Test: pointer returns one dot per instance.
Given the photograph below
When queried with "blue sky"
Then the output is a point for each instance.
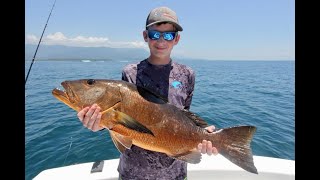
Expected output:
(212, 29)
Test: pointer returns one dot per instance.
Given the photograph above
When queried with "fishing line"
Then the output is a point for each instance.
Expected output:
(39, 43)
(68, 152)
(69, 149)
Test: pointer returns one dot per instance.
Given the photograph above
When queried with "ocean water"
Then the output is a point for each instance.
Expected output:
(227, 93)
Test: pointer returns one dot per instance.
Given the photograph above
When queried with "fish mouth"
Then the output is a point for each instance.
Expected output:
(66, 95)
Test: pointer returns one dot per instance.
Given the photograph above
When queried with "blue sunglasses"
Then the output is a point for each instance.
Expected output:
(155, 35)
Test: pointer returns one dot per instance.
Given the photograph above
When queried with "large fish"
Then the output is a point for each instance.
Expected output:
(135, 115)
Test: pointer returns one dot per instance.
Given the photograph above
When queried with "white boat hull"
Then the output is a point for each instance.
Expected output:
(210, 167)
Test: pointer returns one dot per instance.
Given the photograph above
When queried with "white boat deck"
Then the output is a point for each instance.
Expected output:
(210, 167)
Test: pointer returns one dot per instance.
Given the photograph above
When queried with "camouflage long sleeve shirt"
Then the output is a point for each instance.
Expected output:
(174, 82)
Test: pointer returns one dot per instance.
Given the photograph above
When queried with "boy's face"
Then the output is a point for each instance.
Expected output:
(161, 48)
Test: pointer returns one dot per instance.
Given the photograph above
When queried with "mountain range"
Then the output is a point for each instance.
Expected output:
(59, 52)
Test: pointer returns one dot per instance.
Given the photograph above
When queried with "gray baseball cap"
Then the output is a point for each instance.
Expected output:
(163, 14)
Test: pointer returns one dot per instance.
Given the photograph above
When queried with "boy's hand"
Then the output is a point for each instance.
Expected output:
(90, 117)
(206, 146)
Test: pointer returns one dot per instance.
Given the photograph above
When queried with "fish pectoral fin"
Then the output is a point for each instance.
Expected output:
(131, 123)
(193, 156)
(121, 142)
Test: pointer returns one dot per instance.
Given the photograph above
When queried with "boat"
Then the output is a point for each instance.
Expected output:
(86, 60)
(211, 167)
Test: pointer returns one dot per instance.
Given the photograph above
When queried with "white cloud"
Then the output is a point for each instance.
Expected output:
(59, 38)
(31, 39)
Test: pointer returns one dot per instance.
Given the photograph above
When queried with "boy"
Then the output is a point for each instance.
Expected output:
(166, 78)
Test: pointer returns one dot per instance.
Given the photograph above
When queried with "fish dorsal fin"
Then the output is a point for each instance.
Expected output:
(196, 119)
(150, 96)
(122, 143)
(131, 123)
(193, 156)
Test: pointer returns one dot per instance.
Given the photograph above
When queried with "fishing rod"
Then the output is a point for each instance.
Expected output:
(39, 43)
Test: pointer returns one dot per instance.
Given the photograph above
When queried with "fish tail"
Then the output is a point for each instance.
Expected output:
(234, 144)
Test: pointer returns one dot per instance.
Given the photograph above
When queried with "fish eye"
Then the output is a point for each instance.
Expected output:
(91, 81)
